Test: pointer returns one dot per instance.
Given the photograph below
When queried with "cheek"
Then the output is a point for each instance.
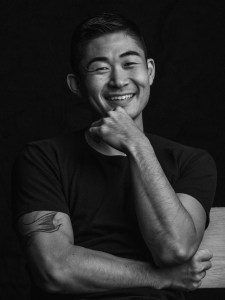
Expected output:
(141, 78)
(94, 85)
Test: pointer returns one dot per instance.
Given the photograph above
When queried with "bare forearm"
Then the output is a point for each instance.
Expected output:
(88, 271)
(163, 220)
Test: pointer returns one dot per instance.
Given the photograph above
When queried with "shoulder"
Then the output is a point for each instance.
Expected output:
(50, 157)
(164, 146)
(41, 174)
(54, 149)
(161, 144)
(64, 142)
(184, 157)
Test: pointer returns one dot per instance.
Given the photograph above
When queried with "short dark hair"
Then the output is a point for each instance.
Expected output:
(97, 26)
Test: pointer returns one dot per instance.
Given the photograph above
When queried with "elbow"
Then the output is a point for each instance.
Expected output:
(182, 255)
(175, 256)
(49, 279)
(58, 280)
(53, 282)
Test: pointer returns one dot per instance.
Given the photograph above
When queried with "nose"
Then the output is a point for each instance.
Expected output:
(118, 78)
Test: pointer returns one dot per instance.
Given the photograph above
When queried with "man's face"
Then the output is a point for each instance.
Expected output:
(115, 73)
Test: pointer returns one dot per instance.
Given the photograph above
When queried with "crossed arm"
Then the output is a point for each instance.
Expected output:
(171, 224)
(59, 266)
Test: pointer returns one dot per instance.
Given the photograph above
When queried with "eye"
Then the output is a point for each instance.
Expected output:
(101, 69)
(98, 68)
(130, 64)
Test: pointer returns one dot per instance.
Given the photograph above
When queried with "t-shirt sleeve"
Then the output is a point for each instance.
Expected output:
(36, 182)
(198, 178)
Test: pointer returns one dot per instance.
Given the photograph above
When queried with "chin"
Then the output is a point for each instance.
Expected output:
(133, 113)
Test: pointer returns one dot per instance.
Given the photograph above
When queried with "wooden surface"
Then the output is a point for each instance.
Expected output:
(214, 240)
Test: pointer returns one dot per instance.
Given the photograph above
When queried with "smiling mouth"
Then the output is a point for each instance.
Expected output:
(120, 97)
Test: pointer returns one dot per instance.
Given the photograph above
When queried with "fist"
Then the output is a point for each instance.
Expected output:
(189, 276)
(117, 129)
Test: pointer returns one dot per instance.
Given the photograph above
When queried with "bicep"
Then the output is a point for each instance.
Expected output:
(45, 236)
(196, 212)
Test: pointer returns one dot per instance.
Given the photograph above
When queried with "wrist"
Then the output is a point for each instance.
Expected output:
(165, 280)
(136, 145)
(154, 277)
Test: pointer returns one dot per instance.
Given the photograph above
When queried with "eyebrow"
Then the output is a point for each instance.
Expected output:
(105, 59)
(129, 53)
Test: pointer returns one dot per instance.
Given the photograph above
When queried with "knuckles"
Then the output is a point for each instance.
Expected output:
(193, 286)
(103, 130)
(111, 113)
(196, 285)
(198, 277)
(116, 111)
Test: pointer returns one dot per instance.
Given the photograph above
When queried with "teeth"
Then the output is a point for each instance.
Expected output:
(120, 98)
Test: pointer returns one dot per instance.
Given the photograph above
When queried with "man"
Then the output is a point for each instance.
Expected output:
(111, 212)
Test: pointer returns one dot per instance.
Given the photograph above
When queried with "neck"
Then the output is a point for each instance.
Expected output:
(139, 122)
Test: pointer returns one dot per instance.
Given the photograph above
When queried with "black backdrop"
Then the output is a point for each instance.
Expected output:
(184, 37)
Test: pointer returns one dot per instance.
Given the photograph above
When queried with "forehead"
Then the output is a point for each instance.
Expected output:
(112, 45)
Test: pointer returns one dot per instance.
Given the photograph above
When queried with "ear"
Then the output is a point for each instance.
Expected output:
(151, 70)
(73, 84)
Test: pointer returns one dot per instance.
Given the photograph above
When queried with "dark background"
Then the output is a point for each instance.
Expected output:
(184, 37)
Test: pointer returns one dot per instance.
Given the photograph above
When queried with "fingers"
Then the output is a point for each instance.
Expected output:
(196, 282)
(118, 108)
(99, 129)
(191, 274)
(94, 132)
(192, 286)
(204, 255)
(197, 285)
(113, 114)
(199, 266)
(207, 265)
(202, 261)
(199, 276)
(96, 123)
(199, 272)
(202, 274)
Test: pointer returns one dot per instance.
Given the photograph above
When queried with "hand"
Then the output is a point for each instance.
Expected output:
(189, 275)
(118, 130)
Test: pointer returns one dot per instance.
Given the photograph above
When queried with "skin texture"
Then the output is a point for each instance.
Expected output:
(115, 79)
(59, 266)
(114, 65)
(171, 224)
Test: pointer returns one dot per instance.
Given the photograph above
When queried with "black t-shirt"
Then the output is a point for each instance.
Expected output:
(65, 174)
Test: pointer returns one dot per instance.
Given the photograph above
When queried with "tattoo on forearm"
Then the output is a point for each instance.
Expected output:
(44, 223)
